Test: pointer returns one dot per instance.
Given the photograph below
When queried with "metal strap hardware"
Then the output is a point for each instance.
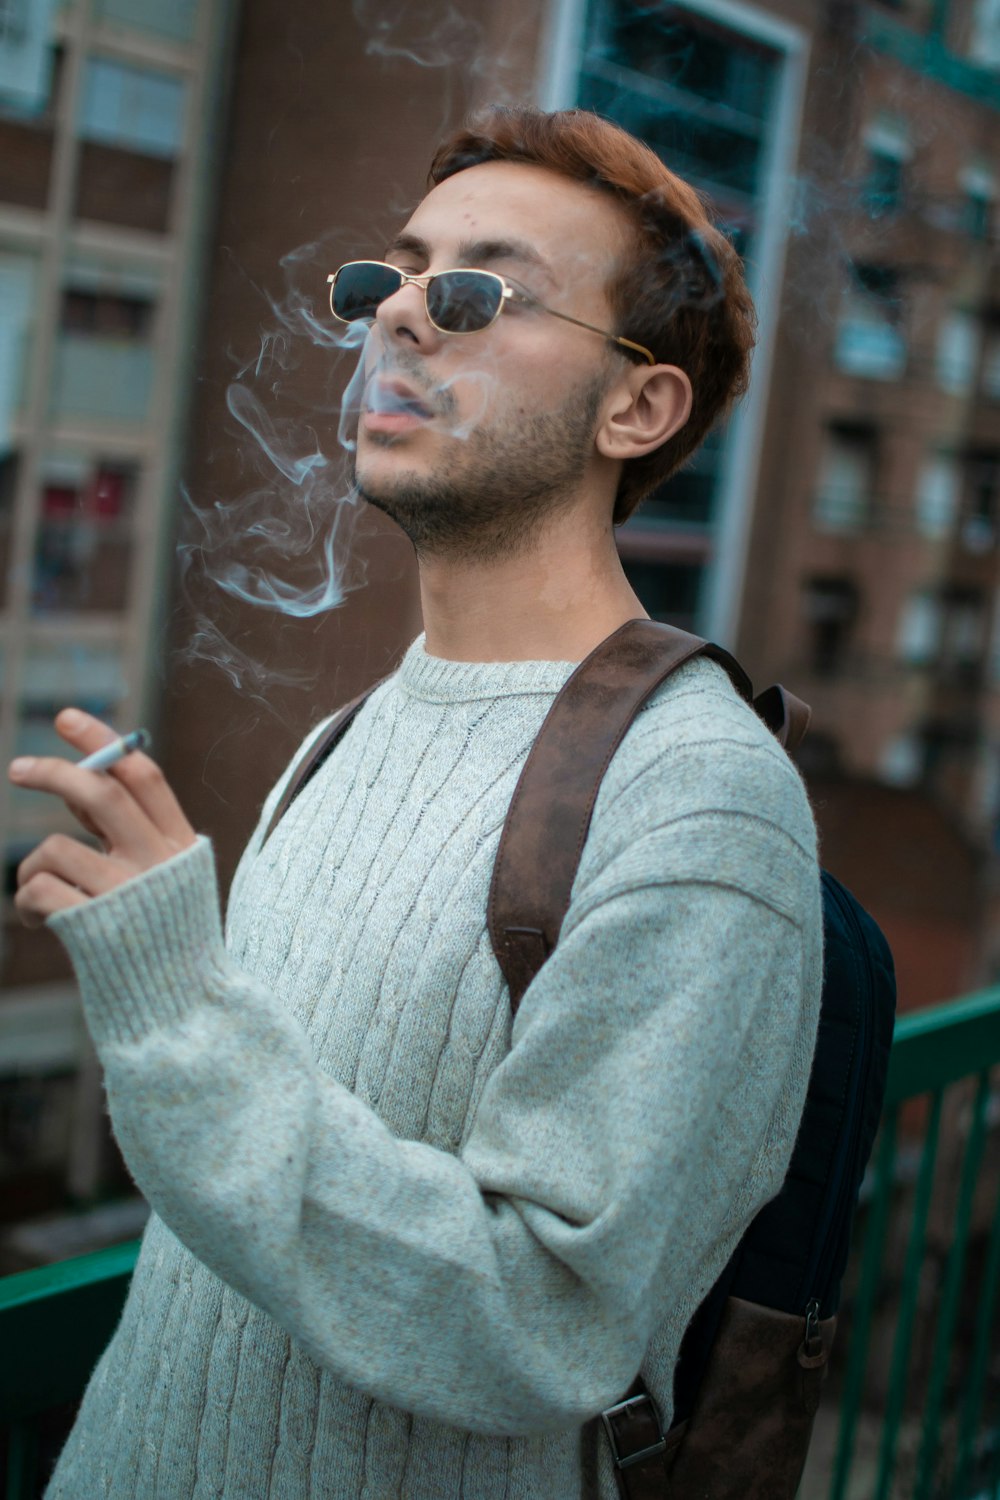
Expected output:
(630, 1410)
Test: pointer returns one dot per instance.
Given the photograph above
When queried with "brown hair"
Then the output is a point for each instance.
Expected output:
(681, 292)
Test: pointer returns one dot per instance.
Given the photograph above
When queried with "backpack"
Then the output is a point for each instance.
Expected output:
(752, 1361)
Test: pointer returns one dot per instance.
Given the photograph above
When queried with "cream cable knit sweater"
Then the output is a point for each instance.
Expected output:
(397, 1249)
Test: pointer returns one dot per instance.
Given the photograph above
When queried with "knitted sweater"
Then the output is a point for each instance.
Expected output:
(400, 1248)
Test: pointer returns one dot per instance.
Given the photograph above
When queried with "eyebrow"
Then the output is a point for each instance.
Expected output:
(476, 253)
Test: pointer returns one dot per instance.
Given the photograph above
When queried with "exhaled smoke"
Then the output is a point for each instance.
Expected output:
(419, 31)
(282, 541)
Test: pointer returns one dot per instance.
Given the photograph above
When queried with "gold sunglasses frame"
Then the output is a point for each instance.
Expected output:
(508, 293)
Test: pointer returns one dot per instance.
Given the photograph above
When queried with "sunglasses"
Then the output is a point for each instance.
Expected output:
(457, 301)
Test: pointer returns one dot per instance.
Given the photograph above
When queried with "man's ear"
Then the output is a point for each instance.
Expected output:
(643, 410)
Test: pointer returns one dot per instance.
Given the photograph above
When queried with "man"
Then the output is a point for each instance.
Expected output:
(398, 1247)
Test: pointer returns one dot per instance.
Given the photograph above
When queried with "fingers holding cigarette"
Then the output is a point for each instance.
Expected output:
(109, 755)
(123, 758)
(128, 806)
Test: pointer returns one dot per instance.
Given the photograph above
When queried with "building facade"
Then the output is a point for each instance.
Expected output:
(107, 114)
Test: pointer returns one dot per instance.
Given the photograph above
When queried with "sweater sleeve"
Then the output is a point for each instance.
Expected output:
(647, 1106)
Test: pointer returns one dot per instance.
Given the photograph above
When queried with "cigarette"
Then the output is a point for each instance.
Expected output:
(109, 755)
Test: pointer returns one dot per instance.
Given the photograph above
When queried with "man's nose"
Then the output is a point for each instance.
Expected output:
(403, 316)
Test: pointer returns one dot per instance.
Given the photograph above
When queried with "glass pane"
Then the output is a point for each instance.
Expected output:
(667, 591)
(25, 56)
(17, 299)
(687, 498)
(668, 44)
(88, 674)
(8, 489)
(699, 149)
(135, 107)
(176, 20)
(84, 541)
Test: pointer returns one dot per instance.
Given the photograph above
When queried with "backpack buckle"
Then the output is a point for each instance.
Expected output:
(634, 1420)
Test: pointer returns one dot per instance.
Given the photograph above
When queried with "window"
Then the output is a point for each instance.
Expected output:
(831, 611)
(944, 628)
(938, 489)
(17, 297)
(921, 626)
(977, 216)
(686, 498)
(25, 54)
(902, 760)
(991, 368)
(978, 186)
(846, 480)
(13, 21)
(705, 93)
(700, 93)
(90, 674)
(888, 145)
(982, 494)
(104, 359)
(994, 644)
(104, 315)
(132, 107)
(959, 339)
(177, 20)
(668, 591)
(870, 340)
(963, 645)
(8, 490)
(83, 546)
(984, 44)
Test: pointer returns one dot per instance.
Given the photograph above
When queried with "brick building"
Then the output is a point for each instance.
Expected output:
(172, 204)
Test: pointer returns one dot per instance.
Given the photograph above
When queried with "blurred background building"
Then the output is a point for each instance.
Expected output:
(108, 112)
(175, 183)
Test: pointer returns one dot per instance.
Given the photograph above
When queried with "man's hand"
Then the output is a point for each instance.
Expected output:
(130, 808)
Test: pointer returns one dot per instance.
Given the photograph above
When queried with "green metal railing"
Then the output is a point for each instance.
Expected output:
(934, 1051)
(55, 1321)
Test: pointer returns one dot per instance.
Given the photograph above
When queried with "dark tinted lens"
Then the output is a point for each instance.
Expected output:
(464, 301)
(360, 288)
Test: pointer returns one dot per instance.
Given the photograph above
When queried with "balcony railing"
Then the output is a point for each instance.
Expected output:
(912, 1409)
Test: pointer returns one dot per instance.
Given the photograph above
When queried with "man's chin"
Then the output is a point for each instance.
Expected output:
(388, 493)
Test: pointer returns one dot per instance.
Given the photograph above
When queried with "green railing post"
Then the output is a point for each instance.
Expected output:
(952, 1286)
(867, 1288)
(908, 1306)
(980, 1359)
(22, 1460)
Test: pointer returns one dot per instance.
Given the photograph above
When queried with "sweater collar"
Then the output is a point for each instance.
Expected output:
(441, 681)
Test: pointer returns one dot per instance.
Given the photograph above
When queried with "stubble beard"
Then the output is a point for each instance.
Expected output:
(504, 482)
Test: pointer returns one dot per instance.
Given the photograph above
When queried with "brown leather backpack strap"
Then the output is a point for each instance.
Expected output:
(314, 757)
(553, 801)
(638, 1446)
(784, 714)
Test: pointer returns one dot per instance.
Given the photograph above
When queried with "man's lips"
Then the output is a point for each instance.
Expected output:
(394, 406)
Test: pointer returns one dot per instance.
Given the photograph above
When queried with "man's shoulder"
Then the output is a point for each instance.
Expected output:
(702, 777)
(696, 718)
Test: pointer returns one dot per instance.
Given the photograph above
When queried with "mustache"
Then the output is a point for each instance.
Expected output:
(439, 399)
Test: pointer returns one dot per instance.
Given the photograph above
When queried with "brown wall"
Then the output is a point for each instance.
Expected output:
(25, 163)
(121, 187)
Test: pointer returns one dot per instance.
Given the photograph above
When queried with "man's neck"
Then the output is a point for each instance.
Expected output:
(553, 602)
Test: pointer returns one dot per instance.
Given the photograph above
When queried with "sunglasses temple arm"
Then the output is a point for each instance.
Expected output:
(628, 344)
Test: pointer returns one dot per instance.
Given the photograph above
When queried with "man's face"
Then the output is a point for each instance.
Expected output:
(505, 433)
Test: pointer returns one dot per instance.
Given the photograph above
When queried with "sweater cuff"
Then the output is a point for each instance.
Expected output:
(146, 952)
